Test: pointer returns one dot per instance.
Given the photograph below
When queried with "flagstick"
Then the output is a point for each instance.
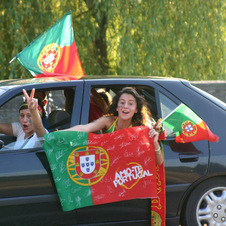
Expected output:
(157, 124)
(8, 63)
(14, 58)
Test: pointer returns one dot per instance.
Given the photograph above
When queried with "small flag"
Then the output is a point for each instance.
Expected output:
(53, 53)
(92, 169)
(188, 126)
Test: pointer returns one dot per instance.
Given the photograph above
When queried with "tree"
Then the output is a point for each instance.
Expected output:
(124, 37)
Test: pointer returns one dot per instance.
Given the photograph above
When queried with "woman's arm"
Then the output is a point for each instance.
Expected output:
(158, 153)
(36, 118)
(99, 124)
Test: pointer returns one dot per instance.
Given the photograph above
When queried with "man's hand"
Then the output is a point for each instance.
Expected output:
(31, 101)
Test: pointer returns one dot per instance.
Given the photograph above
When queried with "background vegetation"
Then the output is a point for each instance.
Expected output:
(170, 38)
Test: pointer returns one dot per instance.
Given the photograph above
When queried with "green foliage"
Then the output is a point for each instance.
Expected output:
(170, 38)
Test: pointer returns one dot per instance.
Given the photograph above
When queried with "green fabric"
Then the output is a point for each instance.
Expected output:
(182, 114)
(66, 143)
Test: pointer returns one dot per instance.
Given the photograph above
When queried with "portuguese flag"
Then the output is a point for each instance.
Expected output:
(92, 169)
(54, 53)
(188, 126)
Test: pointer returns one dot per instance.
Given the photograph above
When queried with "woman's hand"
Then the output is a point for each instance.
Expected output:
(154, 132)
(158, 153)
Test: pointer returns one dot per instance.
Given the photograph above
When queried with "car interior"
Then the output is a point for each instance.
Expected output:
(58, 106)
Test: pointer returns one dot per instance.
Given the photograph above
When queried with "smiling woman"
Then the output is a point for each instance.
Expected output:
(128, 109)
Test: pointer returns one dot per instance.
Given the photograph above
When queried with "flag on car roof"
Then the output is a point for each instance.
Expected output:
(54, 53)
(92, 169)
(188, 126)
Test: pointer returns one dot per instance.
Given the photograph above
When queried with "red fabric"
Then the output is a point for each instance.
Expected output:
(69, 66)
(198, 132)
(162, 136)
(159, 203)
(131, 173)
(94, 112)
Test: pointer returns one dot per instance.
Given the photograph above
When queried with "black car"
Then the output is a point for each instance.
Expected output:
(195, 172)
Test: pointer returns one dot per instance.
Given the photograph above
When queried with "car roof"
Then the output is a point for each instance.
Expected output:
(30, 81)
(169, 83)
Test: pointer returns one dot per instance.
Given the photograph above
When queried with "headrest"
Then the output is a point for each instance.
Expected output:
(59, 119)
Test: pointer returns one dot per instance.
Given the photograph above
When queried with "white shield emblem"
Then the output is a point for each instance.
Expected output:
(87, 164)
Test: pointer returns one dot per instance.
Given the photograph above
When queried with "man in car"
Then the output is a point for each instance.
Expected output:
(30, 128)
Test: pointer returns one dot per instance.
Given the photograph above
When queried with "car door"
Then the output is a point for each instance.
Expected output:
(27, 193)
(184, 163)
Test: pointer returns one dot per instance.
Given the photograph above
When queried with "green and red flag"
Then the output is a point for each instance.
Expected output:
(188, 126)
(158, 205)
(92, 169)
(53, 53)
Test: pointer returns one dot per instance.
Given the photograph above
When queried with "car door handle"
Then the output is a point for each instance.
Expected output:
(188, 158)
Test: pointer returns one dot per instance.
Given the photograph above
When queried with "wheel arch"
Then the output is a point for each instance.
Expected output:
(193, 186)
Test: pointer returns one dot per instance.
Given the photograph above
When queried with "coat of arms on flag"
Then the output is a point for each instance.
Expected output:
(49, 57)
(189, 128)
(87, 163)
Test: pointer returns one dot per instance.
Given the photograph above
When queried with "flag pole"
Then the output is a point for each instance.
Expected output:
(161, 121)
(14, 58)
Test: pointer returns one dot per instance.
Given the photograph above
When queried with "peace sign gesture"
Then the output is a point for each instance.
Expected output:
(36, 117)
(31, 101)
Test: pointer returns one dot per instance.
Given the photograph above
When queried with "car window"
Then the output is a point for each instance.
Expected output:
(149, 94)
(56, 116)
(100, 101)
(9, 111)
(107, 94)
(60, 107)
(166, 105)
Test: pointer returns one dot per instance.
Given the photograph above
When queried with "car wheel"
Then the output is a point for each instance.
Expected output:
(206, 206)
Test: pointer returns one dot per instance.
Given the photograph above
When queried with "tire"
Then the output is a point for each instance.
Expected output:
(206, 205)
